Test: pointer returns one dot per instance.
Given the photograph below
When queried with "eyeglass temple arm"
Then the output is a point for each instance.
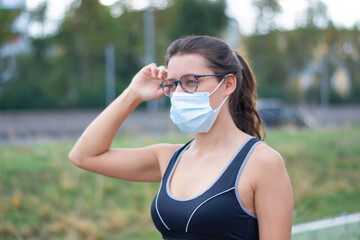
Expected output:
(211, 75)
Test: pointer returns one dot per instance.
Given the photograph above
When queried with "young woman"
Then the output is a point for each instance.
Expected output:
(224, 184)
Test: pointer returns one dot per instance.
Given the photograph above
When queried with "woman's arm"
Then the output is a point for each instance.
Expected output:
(92, 151)
(273, 195)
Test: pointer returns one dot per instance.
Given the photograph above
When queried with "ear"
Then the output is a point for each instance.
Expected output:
(229, 84)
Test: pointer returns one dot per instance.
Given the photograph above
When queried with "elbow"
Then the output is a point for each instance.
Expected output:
(75, 158)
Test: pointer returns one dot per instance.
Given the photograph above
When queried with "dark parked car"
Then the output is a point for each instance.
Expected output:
(275, 113)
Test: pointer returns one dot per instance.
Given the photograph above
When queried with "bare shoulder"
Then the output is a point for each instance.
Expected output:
(164, 151)
(268, 163)
(272, 193)
(266, 156)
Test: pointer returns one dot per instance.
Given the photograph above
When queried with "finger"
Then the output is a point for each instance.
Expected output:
(160, 92)
(153, 69)
(162, 72)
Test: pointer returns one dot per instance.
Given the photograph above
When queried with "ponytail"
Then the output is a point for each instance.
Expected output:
(242, 102)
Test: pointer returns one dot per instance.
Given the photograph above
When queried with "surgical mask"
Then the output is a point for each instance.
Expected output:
(191, 112)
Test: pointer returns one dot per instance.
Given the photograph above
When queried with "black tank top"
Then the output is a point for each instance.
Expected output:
(216, 213)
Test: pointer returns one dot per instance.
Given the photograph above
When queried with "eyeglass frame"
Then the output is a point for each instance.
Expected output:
(176, 82)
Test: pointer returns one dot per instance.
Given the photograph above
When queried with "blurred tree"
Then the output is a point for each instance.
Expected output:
(187, 17)
(279, 58)
(66, 69)
(7, 18)
(265, 17)
(38, 16)
(83, 36)
(316, 14)
(200, 17)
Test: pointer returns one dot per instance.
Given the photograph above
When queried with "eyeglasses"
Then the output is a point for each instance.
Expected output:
(189, 83)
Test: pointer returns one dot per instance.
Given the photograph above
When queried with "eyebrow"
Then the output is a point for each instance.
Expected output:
(195, 74)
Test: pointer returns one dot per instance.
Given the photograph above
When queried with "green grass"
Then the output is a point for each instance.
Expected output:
(43, 196)
(324, 167)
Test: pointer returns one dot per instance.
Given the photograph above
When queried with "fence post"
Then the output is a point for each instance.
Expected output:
(110, 73)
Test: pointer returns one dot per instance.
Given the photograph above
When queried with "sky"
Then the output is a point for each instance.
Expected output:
(344, 13)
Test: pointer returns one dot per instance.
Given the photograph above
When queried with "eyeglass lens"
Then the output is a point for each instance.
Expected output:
(187, 82)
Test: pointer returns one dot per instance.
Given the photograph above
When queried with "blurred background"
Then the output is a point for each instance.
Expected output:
(62, 62)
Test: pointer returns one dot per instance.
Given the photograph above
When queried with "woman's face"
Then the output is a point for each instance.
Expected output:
(196, 64)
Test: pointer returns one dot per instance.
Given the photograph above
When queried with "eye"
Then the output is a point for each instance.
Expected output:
(189, 81)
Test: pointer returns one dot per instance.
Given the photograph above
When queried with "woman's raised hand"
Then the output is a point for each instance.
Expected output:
(146, 83)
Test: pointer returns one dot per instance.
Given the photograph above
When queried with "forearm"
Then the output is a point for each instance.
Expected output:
(99, 135)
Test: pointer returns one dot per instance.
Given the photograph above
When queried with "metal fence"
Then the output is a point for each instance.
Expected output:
(345, 227)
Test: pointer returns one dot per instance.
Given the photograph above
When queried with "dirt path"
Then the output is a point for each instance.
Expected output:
(58, 124)
(22, 125)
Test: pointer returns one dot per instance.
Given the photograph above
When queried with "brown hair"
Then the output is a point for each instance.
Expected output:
(222, 59)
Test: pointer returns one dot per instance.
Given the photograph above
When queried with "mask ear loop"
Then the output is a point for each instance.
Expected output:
(217, 109)
(221, 104)
(219, 84)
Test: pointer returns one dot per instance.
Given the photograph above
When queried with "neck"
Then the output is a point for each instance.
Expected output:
(223, 133)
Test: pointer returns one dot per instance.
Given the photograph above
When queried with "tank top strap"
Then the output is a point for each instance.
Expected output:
(230, 175)
(173, 159)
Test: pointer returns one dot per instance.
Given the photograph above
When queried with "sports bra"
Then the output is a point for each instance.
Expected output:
(216, 213)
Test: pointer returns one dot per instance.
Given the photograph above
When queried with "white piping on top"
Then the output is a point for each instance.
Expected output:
(157, 209)
(187, 225)
(223, 171)
(238, 176)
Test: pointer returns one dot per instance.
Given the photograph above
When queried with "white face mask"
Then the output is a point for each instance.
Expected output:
(192, 112)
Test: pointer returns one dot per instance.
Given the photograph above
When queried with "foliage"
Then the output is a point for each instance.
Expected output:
(199, 17)
(266, 12)
(279, 58)
(67, 69)
(7, 18)
(43, 196)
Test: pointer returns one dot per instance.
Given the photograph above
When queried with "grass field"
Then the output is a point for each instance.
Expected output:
(43, 196)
